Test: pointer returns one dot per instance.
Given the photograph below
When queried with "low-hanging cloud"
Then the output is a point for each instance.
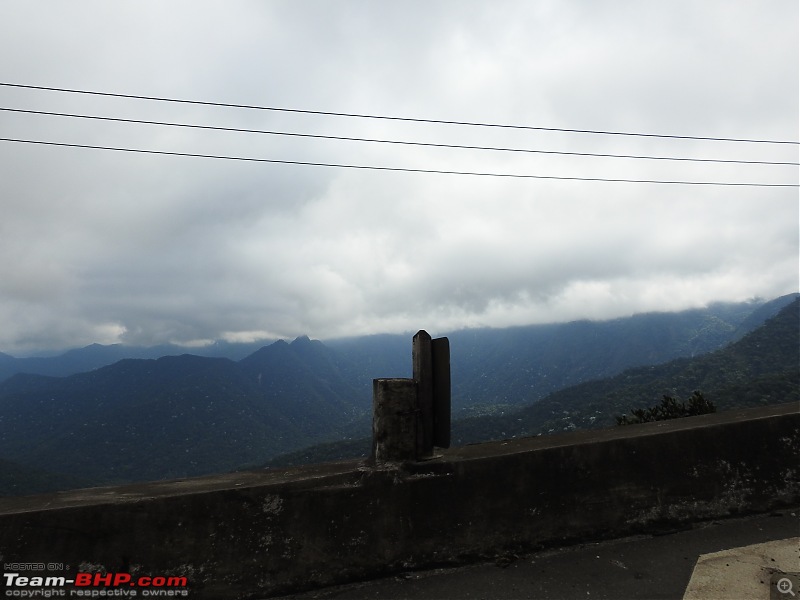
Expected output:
(103, 246)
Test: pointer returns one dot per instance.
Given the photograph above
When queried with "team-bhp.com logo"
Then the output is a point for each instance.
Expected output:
(93, 585)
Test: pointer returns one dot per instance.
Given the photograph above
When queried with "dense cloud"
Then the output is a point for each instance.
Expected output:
(110, 246)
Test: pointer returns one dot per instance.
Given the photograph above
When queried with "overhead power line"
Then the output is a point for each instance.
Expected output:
(394, 118)
(385, 141)
(395, 169)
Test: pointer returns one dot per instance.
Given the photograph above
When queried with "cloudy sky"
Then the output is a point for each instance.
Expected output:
(110, 246)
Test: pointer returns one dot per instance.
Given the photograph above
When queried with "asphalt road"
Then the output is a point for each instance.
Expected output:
(647, 567)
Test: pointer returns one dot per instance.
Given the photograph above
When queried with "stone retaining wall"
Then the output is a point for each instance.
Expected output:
(251, 535)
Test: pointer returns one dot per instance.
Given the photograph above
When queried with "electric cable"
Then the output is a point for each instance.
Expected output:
(392, 118)
(395, 169)
(397, 142)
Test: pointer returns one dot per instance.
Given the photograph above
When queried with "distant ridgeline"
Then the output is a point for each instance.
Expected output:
(187, 415)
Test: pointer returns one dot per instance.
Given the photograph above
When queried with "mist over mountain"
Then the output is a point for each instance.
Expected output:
(763, 367)
(519, 365)
(186, 415)
(644, 338)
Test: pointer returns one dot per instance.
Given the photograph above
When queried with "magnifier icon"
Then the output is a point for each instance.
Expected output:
(784, 586)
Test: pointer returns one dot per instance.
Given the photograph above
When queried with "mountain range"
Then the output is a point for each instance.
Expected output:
(177, 416)
(94, 356)
(761, 367)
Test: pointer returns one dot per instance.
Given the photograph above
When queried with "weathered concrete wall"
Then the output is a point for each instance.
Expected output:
(250, 535)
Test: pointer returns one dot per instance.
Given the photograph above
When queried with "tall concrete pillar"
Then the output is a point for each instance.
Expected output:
(423, 375)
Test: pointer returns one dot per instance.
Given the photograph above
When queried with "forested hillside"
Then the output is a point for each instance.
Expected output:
(177, 416)
(761, 368)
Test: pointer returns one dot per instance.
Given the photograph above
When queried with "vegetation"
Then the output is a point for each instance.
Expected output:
(670, 408)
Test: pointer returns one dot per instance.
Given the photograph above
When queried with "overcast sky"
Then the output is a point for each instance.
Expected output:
(103, 246)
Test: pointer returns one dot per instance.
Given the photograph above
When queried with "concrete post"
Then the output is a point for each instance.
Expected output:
(440, 361)
(423, 375)
(394, 420)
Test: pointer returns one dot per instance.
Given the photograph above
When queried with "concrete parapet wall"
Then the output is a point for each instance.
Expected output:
(250, 535)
